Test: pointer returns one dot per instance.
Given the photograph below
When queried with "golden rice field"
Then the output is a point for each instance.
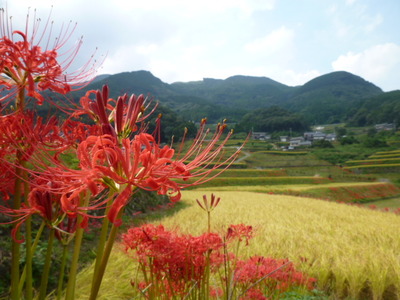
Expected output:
(293, 187)
(353, 252)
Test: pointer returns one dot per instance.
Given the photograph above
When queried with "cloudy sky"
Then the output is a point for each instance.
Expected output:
(290, 41)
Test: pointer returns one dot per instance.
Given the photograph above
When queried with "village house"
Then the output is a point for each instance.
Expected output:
(385, 126)
(262, 136)
(331, 137)
(318, 136)
(284, 138)
(299, 142)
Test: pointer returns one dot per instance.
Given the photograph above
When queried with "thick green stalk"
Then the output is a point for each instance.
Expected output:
(206, 294)
(102, 240)
(70, 293)
(46, 267)
(28, 240)
(209, 221)
(28, 259)
(103, 264)
(16, 246)
(33, 247)
(62, 271)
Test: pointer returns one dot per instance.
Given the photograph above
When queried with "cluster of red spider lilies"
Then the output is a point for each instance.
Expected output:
(178, 266)
(116, 154)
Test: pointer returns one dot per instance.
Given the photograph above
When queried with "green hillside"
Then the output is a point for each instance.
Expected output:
(329, 98)
(242, 92)
(383, 108)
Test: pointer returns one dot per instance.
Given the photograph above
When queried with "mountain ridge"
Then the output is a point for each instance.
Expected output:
(327, 98)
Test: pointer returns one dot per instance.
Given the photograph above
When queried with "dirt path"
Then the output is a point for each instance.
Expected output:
(246, 155)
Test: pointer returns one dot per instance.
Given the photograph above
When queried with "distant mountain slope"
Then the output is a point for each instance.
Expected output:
(241, 92)
(329, 98)
(383, 108)
(137, 82)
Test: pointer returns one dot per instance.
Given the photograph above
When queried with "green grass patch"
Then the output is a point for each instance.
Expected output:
(263, 159)
(388, 152)
(284, 152)
(385, 156)
(387, 203)
(381, 168)
(373, 161)
(348, 194)
(246, 181)
(235, 165)
(251, 172)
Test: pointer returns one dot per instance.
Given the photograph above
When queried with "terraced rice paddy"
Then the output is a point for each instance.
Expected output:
(380, 162)
(352, 251)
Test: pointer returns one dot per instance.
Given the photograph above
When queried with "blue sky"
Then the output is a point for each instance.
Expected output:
(290, 41)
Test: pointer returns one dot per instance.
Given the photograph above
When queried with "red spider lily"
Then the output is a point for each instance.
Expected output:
(24, 65)
(39, 202)
(74, 184)
(253, 294)
(180, 259)
(56, 195)
(175, 262)
(7, 177)
(23, 131)
(216, 292)
(21, 134)
(75, 132)
(142, 163)
(68, 186)
(209, 206)
(124, 112)
(240, 232)
(277, 274)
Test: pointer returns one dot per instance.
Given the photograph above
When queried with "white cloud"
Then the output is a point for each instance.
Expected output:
(131, 55)
(379, 64)
(278, 40)
(293, 78)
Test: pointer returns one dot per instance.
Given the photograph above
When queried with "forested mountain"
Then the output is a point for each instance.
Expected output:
(384, 108)
(272, 119)
(241, 92)
(334, 97)
(331, 98)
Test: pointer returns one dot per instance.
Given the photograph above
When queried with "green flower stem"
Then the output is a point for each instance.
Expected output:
(46, 267)
(28, 239)
(104, 260)
(62, 271)
(70, 294)
(33, 247)
(15, 295)
(102, 240)
(206, 283)
(29, 258)
(208, 221)
(15, 258)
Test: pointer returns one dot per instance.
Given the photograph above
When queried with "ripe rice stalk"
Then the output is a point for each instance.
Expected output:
(353, 244)
(351, 251)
